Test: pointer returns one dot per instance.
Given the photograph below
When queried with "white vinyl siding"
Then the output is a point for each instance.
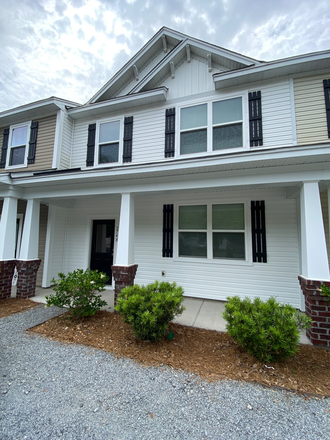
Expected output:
(325, 213)
(65, 159)
(58, 256)
(42, 241)
(276, 114)
(310, 109)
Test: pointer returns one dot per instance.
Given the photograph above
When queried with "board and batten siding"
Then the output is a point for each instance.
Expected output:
(45, 145)
(214, 280)
(276, 114)
(65, 159)
(42, 241)
(57, 258)
(310, 109)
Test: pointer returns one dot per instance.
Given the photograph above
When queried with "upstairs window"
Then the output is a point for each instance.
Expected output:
(108, 145)
(18, 141)
(212, 126)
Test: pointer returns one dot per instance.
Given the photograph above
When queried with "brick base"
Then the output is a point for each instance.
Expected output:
(6, 277)
(318, 309)
(123, 276)
(27, 277)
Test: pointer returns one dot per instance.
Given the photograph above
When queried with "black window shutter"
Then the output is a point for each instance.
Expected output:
(326, 86)
(168, 231)
(4, 148)
(255, 119)
(128, 139)
(170, 132)
(91, 145)
(33, 142)
(258, 223)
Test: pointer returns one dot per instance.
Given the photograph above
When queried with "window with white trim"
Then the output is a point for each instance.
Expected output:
(108, 144)
(212, 126)
(213, 231)
(18, 145)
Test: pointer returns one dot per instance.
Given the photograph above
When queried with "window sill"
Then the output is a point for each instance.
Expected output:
(217, 261)
(15, 167)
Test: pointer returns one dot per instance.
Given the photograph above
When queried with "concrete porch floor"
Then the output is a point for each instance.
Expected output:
(201, 313)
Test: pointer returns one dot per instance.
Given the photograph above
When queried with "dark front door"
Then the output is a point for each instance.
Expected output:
(102, 246)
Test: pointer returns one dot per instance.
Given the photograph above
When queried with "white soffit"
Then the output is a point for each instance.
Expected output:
(292, 66)
(121, 103)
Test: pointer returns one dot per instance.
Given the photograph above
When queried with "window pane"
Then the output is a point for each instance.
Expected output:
(193, 117)
(103, 238)
(227, 111)
(109, 132)
(229, 245)
(19, 136)
(17, 156)
(229, 216)
(109, 153)
(192, 244)
(193, 217)
(193, 142)
(228, 136)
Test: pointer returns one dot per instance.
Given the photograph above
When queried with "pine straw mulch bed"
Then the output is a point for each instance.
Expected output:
(15, 305)
(207, 353)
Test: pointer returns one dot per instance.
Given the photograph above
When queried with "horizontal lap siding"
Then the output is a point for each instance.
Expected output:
(66, 142)
(79, 144)
(276, 114)
(310, 109)
(214, 280)
(45, 144)
(79, 227)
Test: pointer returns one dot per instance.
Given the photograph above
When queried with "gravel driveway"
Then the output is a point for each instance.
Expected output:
(50, 391)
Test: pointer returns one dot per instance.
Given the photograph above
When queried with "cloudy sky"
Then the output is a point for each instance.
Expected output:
(71, 48)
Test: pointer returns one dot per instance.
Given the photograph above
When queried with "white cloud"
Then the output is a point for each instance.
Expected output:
(72, 48)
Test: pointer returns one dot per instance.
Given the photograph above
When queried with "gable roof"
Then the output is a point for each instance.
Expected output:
(151, 64)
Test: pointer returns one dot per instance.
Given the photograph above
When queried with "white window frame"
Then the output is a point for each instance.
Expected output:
(209, 233)
(120, 140)
(209, 127)
(12, 127)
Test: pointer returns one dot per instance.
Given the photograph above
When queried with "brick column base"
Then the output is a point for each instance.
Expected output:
(123, 276)
(6, 277)
(318, 309)
(27, 277)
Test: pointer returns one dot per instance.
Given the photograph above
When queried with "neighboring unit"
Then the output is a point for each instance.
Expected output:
(193, 163)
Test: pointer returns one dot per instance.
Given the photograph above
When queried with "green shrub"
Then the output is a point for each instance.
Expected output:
(149, 309)
(325, 291)
(77, 290)
(267, 330)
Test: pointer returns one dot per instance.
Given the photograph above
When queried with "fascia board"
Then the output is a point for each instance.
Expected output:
(29, 111)
(122, 102)
(180, 165)
(129, 64)
(273, 69)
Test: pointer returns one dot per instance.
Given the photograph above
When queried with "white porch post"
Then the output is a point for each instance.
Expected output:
(8, 229)
(28, 263)
(314, 257)
(125, 245)
(30, 237)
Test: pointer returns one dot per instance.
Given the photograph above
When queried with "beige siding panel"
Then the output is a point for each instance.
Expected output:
(42, 241)
(310, 109)
(325, 212)
(65, 159)
(45, 144)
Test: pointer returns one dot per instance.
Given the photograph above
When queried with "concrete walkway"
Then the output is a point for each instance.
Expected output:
(201, 313)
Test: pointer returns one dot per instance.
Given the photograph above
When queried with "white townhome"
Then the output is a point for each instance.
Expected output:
(193, 164)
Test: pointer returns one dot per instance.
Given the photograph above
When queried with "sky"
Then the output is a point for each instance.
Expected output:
(71, 48)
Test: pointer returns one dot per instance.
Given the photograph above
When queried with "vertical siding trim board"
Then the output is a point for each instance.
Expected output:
(255, 119)
(167, 231)
(4, 148)
(91, 145)
(58, 139)
(170, 132)
(258, 224)
(326, 86)
(128, 139)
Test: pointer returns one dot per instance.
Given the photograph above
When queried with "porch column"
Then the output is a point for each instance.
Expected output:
(28, 263)
(314, 263)
(7, 245)
(124, 269)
